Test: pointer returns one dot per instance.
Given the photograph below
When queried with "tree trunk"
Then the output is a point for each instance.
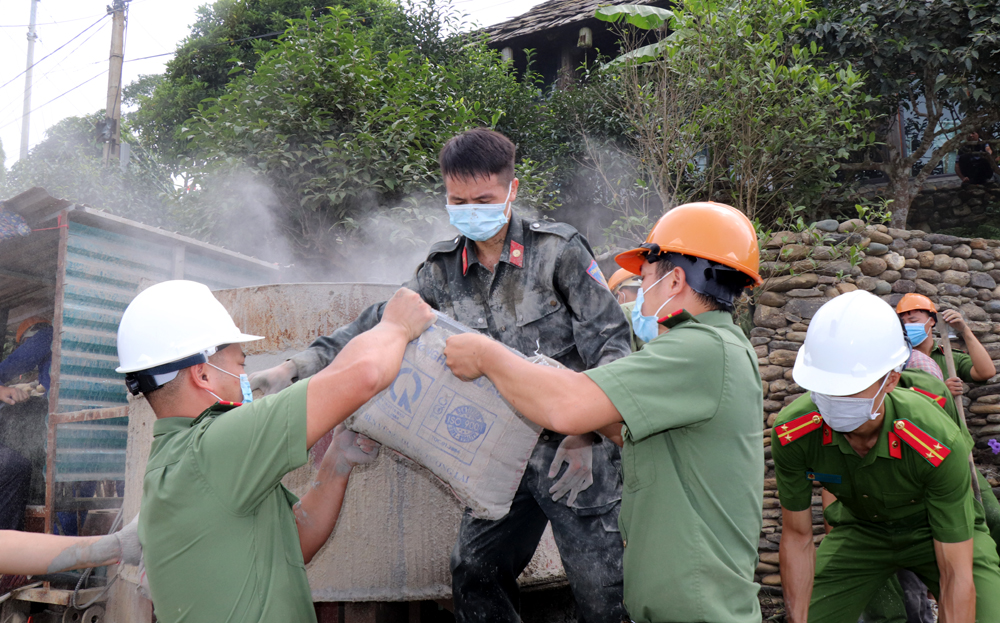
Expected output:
(902, 190)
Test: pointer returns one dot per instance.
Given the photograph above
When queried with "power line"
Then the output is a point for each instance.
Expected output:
(57, 68)
(211, 45)
(52, 52)
(103, 71)
(65, 21)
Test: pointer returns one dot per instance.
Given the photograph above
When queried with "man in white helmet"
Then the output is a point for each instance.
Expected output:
(898, 467)
(223, 540)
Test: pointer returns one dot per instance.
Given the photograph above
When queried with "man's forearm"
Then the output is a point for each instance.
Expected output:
(324, 349)
(982, 364)
(368, 364)
(797, 560)
(26, 553)
(317, 512)
(958, 591)
(543, 394)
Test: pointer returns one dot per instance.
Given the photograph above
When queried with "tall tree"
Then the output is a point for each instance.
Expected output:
(229, 36)
(936, 62)
(727, 107)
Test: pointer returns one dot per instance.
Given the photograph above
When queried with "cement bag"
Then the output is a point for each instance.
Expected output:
(466, 434)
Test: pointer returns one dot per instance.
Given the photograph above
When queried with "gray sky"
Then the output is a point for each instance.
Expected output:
(154, 27)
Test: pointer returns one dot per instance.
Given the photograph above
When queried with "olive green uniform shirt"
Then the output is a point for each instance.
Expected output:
(217, 530)
(879, 489)
(963, 363)
(693, 469)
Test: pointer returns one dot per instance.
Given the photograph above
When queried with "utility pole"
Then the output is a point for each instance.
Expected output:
(113, 110)
(26, 116)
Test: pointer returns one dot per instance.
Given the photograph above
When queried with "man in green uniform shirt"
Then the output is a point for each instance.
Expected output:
(691, 404)
(897, 466)
(223, 540)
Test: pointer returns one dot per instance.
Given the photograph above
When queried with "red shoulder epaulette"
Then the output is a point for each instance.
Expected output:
(229, 403)
(940, 400)
(672, 320)
(928, 447)
(798, 427)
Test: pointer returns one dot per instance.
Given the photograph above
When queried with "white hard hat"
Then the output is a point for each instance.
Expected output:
(174, 324)
(853, 340)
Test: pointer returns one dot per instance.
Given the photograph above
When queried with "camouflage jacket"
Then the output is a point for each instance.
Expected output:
(546, 295)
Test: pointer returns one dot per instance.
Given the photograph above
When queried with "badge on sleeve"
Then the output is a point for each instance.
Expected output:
(595, 272)
(833, 479)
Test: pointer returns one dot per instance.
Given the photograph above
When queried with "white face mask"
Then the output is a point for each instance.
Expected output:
(845, 414)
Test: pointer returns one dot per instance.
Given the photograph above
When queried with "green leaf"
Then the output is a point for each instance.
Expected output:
(638, 15)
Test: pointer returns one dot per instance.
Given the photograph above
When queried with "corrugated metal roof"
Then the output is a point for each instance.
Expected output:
(554, 14)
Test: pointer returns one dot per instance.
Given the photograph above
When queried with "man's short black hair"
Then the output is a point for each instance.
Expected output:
(480, 152)
(664, 266)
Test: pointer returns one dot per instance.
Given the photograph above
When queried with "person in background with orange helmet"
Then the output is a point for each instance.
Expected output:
(33, 351)
(624, 285)
(691, 405)
(919, 315)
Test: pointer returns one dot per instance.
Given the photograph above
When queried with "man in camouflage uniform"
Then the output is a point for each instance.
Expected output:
(536, 287)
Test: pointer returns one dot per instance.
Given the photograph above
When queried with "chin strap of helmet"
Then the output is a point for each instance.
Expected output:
(145, 381)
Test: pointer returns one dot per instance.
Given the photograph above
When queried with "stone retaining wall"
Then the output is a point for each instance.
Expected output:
(944, 207)
(805, 269)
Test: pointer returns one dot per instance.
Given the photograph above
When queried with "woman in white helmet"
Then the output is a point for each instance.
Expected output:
(897, 466)
(223, 540)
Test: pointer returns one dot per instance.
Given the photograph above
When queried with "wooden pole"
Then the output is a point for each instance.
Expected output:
(949, 361)
(113, 109)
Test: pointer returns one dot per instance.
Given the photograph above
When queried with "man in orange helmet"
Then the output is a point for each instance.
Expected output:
(919, 315)
(624, 285)
(33, 351)
(691, 406)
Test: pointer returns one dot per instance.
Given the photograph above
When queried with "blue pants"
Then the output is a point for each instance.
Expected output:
(490, 555)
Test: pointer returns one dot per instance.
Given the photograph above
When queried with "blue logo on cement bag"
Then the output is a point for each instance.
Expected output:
(465, 424)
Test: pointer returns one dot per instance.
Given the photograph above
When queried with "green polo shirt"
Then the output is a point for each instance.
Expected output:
(878, 489)
(693, 470)
(216, 526)
(963, 363)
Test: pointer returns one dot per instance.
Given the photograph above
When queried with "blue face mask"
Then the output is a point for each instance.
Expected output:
(244, 384)
(645, 327)
(916, 333)
(480, 221)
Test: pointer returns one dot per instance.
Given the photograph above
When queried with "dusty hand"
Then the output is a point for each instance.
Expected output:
(407, 310)
(273, 380)
(954, 385)
(954, 319)
(12, 395)
(349, 449)
(577, 451)
(463, 354)
(128, 538)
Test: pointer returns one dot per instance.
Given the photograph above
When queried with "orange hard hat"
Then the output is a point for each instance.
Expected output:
(621, 278)
(915, 302)
(26, 324)
(709, 230)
